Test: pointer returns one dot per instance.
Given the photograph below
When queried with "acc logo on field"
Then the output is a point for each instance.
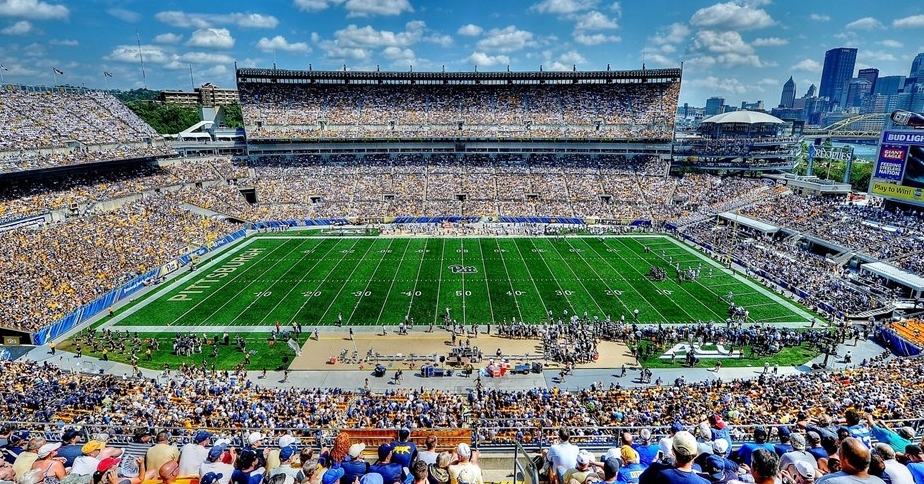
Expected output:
(458, 269)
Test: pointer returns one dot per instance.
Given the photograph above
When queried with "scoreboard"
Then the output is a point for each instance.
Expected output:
(899, 171)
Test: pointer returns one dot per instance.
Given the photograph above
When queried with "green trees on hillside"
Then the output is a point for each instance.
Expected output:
(165, 118)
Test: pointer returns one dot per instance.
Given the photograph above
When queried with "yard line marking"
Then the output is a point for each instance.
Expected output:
(321, 282)
(616, 271)
(417, 279)
(250, 266)
(378, 318)
(337, 296)
(560, 288)
(604, 281)
(577, 279)
(462, 253)
(487, 287)
(545, 309)
(516, 300)
(439, 281)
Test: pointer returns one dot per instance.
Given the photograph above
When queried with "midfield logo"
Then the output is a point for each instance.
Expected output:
(458, 269)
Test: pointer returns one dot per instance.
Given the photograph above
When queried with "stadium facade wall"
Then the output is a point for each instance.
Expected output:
(101, 304)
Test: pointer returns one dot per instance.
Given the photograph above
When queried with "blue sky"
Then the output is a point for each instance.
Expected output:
(742, 50)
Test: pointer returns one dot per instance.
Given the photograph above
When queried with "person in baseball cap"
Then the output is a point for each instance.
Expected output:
(390, 471)
(683, 448)
(355, 467)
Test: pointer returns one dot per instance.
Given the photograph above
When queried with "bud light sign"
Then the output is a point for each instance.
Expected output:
(891, 164)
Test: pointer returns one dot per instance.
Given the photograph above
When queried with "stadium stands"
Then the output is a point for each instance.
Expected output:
(42, 127)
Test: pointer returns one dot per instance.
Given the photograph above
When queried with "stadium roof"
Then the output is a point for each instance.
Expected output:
(254, 75)
(757, 225)
(892, 273)
(744, 117)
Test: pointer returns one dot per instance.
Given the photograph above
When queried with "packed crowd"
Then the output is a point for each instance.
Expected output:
(499, 111)
(49, 120)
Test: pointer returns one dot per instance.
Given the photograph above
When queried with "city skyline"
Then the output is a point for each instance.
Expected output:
(743, 51)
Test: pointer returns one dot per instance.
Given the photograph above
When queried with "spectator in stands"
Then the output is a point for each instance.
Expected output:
(272, 456)
(15, 445)
(854, 458)
(798, 454)
(214, 464)
(169, 472)
(579, 473)
(666, 444)
(684, 450)
(743, 454)
(720, 449)
(466, 460)
(51, 469)
(86, 464)
(354, 466)
(785, 437)
(71, 448)
(286, 454)
(765, 466)
(898, 439)
(914, 456)
(195, 453)
(720, 429)
(857, 428)
(140, 443)
(714, 469)
(814, 446)
(403, 450)
(631, 468)
(391, 471)
(26, 458)
(438, 473)
(429, 455)
(419, 472)
(895, 471)
(246, 470)
(647, 451)
(7, 474)
(562, 455)
(162, 451)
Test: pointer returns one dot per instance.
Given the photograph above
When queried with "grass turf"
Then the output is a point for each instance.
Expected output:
(375, 281)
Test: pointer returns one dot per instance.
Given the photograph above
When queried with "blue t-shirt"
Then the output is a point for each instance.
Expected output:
(861, 432)
(665, 474)
(253, 477)
(630, 473)
(403, 453)
(353, 469)
(748, 448)
(647, 453)
(391, 472)
(70, 452)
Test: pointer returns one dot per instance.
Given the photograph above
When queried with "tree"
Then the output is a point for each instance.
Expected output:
(166, 118)
(233, 116)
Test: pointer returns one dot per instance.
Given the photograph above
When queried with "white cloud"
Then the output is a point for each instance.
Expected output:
(470, 30)
(672, 34)
(370, 8)
(808, 65)
(398, 54)
(769, 42)
(572, 57)
(33, 9)
(441, 40)
(768, 82)
(180, 19)
(64, 42)
(727, 48)
(595, 39)
(818, 17)
(129, 53)
(316, 5)
(203, 58)
(595, 21)
(124, 15)
(211, 38)
(865, 23)
(280, 43)
(894, 44)
(506, 40)
(659, 59)
(909, 22)
(168, 38)
(564, 6)
(358, 43)
(484, 60)
(22, 27)
(723, 86)
(731, 16)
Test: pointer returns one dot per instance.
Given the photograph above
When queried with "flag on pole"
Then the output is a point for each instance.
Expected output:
(107, 74)
(58, 71)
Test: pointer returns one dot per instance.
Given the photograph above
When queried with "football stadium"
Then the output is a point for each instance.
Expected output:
(477, 271)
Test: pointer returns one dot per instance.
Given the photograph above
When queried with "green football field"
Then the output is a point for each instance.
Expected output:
(383, 280)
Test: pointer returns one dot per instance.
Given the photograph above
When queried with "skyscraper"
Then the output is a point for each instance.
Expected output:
(916, 65)
(871, 74)
(789, 93)
(839, 64)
